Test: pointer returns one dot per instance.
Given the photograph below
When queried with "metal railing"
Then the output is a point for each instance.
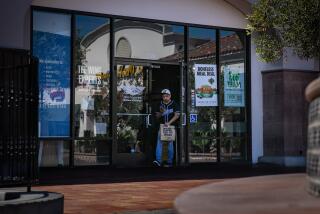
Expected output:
(18, 118)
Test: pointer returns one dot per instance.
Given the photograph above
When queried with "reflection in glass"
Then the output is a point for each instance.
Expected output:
(130, 132)
(131, 108)
(233, 110)
(203, 150)
(202, 51)
(131, 88)
(53, 153)
(51, 44)
(232, 149)
(146, 40)
(233, 122)
(92, 152)
(92, 77)
(232, 73)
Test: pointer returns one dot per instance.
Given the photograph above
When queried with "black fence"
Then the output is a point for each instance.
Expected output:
(18, 118)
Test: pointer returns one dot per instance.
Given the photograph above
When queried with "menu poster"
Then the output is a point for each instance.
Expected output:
(206, 85)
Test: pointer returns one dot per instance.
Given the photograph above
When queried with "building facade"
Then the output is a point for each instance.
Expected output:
(102, 65)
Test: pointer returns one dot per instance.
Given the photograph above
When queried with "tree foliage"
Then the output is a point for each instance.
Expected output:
(277, 24)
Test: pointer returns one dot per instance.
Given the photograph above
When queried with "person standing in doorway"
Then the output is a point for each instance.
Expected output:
(168, 113)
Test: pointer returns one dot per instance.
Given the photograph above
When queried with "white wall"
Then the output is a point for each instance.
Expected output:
(98, 53)
(15, 23)
(145, 44)
(292, 61)
(256, 106)
(208, 12)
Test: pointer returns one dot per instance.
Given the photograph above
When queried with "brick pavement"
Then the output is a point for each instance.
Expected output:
(110, 190)
(122, 197)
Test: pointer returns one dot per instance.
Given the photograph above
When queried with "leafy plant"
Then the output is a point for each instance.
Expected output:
(279, 24)
(126, 134)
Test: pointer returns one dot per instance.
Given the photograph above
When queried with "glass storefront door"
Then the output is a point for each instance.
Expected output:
(133, 112)
(172, 77)
(138, 95)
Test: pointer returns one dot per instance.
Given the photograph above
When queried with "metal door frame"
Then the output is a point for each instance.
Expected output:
(117, 157)
(181, 143)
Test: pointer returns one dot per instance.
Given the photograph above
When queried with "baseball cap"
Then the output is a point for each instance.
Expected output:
(165, 91)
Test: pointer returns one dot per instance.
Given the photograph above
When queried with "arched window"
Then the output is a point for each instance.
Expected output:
(123, 48)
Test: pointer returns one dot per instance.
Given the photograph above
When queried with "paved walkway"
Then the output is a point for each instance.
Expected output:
(137, 190)
(276, 194)
(122, 197)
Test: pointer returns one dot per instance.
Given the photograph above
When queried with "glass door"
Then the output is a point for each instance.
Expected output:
(169, 76)
(133, 113)
(139, 88)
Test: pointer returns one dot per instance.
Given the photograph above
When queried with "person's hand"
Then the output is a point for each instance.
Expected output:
(166, 124)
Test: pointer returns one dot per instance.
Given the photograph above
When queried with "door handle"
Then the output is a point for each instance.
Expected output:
(184, 119)
(148, 120)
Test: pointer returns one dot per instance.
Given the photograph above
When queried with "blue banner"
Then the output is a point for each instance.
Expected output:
(53, 51)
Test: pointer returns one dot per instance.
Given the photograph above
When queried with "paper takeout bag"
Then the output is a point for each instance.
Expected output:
(167, 133)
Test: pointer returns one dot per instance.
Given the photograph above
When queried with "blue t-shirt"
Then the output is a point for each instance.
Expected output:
(167, 111)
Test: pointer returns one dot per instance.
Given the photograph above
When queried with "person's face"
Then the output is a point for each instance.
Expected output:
(166, 97)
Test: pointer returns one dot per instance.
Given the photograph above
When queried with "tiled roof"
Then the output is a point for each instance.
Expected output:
(229, 45)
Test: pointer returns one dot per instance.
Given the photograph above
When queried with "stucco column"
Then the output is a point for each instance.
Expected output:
(285, 110)
(285, 116)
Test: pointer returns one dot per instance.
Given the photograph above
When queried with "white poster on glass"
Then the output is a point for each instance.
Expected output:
(206, 85)
(234, 85)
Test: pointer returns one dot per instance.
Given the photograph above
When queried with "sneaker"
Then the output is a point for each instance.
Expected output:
(156, 163)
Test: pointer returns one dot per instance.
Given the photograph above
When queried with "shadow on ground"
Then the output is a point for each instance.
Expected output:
(96, 175)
